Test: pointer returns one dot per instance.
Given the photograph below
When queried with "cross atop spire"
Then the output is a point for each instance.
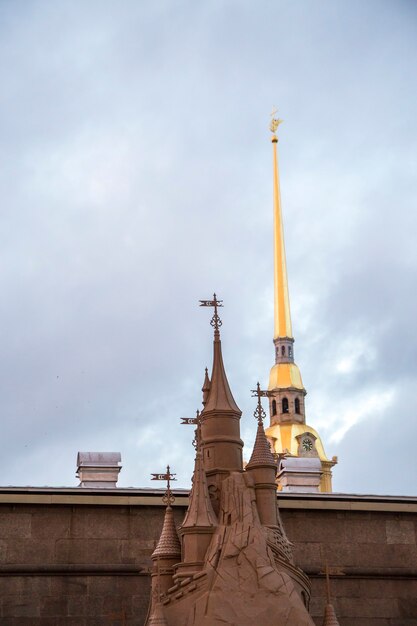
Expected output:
(261, 453)
(330, 618)
(167, 498)
(259, 412)
(215, 320)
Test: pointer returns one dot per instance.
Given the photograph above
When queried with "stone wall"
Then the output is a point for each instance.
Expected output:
(76, 565)
(78, 562)
(372, 557)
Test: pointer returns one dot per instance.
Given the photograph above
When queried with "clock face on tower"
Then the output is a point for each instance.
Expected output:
(307, 444)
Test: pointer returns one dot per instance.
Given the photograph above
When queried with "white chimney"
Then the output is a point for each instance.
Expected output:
(98, 469)
(300, 474)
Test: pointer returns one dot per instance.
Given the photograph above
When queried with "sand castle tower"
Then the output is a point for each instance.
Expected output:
(236, 564)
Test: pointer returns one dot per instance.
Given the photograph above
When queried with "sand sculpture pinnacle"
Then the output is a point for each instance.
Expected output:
(168, 544)
(166, 554)
(215, 321)
(219, 397)
(259, 413)
(330, 618)
(206, 386)
(200, 511)
(167, 498)
(261, 453)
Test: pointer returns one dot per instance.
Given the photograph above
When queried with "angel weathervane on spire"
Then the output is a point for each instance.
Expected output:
(275, 122)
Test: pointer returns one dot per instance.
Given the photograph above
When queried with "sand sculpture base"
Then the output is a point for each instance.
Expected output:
(240, 583)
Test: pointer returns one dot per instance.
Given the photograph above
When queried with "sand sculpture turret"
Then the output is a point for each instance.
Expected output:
(236, 565)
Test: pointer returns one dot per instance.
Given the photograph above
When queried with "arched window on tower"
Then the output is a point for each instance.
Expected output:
(297, 405)
(290, 351)
(283, 350)
(274, 407)
(285, 408)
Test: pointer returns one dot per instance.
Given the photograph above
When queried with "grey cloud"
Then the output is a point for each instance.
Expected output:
(135, 179)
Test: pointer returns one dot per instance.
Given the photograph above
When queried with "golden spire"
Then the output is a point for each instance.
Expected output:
(282, 316)
(287, 409)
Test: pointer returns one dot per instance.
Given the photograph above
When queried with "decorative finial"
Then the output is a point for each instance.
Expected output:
(259, 412)
(196, 421)
(215, 320)
(168, 498)
(275, 122)
(206, 387)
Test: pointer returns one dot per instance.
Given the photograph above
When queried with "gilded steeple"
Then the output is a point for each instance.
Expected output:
(282, 315)
(285, 372)
(288, 431)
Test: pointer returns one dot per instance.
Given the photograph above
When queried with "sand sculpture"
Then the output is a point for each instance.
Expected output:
(230, 562)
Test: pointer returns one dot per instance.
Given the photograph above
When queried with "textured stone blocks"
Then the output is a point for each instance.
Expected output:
(15, 525)
(46, 535)
(400, 532)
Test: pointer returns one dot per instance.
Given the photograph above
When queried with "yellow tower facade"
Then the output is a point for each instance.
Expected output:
(288, 432)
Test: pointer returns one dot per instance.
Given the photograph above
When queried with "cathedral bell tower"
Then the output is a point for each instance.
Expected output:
(288, 431)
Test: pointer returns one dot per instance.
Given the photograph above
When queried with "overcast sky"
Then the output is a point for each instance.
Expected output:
(136, 178)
